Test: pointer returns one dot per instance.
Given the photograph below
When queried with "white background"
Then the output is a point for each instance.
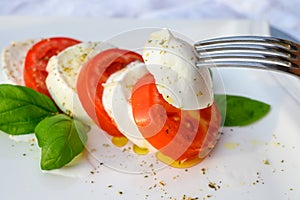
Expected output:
(282, 14)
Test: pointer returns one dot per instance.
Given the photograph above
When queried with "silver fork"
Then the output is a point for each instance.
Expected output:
(250, 51)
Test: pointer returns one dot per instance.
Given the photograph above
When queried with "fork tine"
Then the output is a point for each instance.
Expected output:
(247, 64)
(233, 48)
(267, 59)
(249, 56)
(259, 40)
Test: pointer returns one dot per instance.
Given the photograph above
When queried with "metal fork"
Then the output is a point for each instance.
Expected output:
(250, 51)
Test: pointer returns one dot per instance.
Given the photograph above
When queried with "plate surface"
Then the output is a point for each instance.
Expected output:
(260, 161)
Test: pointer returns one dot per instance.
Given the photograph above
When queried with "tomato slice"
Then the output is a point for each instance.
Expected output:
(179, 134)
(89, 84)
(37, 58)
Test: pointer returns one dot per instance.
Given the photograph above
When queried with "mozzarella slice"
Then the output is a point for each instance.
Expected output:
(172, 63)
(13, 59)
(63, 72)
(116, 101)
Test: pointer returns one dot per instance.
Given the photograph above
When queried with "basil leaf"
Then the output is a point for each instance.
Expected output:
(22, 108)
(61, 139)
(240, 111)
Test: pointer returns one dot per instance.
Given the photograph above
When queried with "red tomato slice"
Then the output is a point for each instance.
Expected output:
(89, 84)
(179, 134)
(37, 58)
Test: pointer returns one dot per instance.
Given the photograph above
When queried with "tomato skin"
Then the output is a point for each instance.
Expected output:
(37, 58)
(89, 84)
(179, 134)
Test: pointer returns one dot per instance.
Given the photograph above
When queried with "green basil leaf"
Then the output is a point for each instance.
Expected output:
(22, 108)
(240, 111)
(61, 139)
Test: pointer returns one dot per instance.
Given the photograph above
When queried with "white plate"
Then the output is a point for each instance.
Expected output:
(260, 161)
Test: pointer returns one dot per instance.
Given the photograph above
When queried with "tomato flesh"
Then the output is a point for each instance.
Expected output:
(89, 84)
(179, 134)
(37, 58)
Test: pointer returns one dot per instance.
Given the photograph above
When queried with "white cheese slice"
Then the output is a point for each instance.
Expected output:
(13, 59)
(63, 72)
(116, 101)
(172, 63)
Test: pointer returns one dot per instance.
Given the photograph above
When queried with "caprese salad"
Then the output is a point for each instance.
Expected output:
(157, 99)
